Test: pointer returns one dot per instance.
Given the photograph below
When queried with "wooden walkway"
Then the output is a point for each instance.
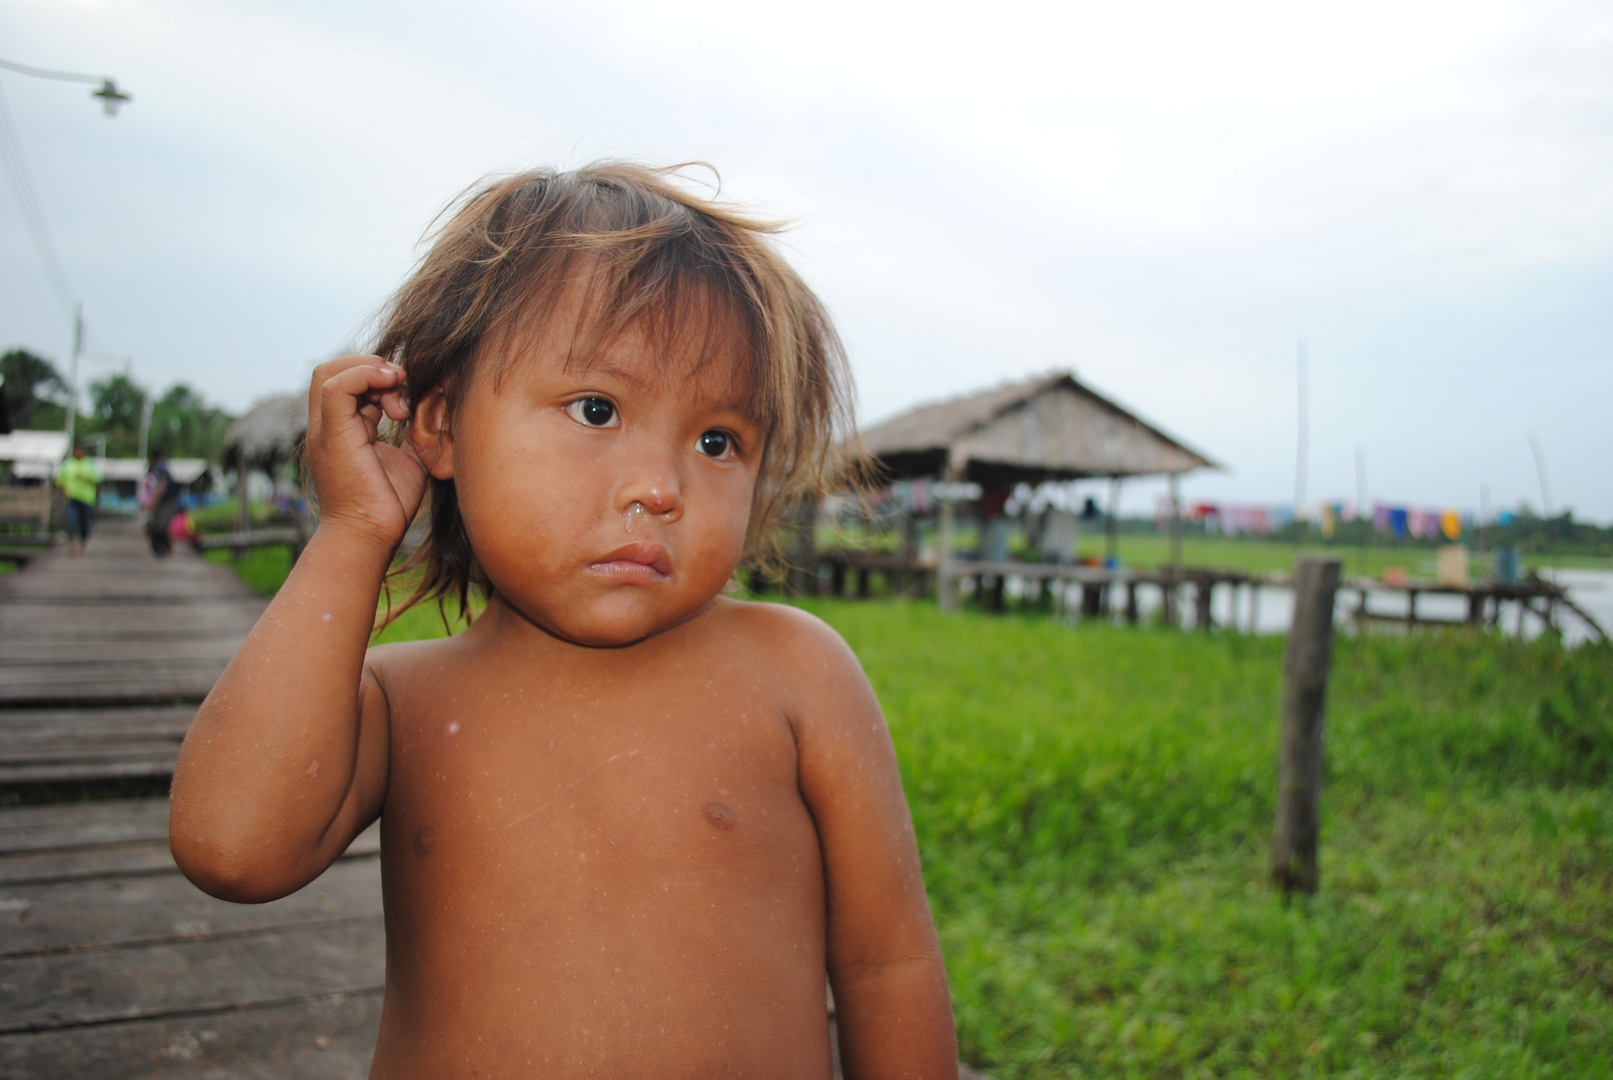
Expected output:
(113, 965)
(104, 658)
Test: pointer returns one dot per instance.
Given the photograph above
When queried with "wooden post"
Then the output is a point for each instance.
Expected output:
(1299, 764)
(947, 586)
(1176, 523)
(1202, 596)
(801, 558)
(1131, 603)
(1111, 544)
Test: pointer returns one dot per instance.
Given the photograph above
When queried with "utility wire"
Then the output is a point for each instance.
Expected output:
(21, 179)
(46, 73)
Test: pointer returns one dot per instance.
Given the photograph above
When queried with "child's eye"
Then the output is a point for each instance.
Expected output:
(594, 411)
(715, 444)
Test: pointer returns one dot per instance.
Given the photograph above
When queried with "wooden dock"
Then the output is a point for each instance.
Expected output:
(111, 963)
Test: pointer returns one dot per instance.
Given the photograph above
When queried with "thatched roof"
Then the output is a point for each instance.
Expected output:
(1050, 427)
(268, 433)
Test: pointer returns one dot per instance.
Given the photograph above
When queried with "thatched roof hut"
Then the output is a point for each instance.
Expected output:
(1050, 427)
(268, 434)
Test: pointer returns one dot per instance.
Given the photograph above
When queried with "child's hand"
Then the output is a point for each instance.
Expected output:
(364, 485)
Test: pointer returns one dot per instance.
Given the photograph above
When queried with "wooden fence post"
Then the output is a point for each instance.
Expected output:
(946, 573)
(1299, 764)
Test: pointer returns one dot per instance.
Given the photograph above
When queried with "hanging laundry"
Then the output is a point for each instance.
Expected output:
(1397, 521)
(1450, 523)
(1380, 517)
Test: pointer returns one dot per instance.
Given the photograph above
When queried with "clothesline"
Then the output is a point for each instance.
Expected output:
(1264, 519)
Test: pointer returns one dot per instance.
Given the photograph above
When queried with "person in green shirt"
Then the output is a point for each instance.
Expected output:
(78, 478)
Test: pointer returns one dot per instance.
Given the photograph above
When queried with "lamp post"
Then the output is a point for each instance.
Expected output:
(106, 88)
(112, 99)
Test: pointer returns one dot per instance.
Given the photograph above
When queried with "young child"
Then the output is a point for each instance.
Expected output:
(627, 822)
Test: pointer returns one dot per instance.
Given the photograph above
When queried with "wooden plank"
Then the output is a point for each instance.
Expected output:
(207, 974)
(60, 917)
(329, 1037)
(145, 857)
(20, 726)
(141, 650)
(45, 745)
(68, 827)
(82, 864)
(88, 769)
(82, 824)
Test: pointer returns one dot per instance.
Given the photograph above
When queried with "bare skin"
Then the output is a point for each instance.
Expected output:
(627, 824)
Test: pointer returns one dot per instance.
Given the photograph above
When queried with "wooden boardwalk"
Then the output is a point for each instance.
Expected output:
(104, 658)
(113, 965)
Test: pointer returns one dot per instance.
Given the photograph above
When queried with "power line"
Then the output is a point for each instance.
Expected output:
(21, 179)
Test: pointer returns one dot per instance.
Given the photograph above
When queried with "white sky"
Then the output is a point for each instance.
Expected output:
(1163, 196)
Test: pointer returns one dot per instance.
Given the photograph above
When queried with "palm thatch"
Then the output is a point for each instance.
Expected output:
(1050, 427)
(268, 434)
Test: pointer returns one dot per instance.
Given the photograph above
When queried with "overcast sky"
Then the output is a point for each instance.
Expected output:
(1164, 197)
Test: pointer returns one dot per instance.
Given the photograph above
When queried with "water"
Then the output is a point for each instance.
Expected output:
(1273, 606)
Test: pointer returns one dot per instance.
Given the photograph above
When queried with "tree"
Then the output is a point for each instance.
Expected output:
(35, 392)
(185, 425)
(116, 405)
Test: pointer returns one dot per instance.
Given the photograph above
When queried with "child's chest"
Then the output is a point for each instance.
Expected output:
(623, 798)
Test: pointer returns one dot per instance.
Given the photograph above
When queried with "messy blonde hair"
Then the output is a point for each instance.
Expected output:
(650, 255)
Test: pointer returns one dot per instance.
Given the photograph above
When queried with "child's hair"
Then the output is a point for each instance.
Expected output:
(650, 255)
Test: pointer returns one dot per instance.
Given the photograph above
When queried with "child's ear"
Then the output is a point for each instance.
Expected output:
(433, 443)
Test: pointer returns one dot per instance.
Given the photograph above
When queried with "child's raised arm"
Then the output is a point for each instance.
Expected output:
(892, 1007)
(287, 759)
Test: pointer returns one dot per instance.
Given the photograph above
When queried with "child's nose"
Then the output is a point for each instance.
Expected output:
(661, 496)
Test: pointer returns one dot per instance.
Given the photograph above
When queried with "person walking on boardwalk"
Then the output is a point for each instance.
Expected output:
(79, 479)
(164, 504)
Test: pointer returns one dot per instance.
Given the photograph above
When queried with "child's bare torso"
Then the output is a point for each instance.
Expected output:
(603, 866)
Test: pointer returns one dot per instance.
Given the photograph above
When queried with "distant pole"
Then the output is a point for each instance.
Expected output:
(1304, 435)
(145, 426)
(1484, 514)
(72, 378)
(1299, 765)
(1545, 493)
(1361, 509)
(1540, 471)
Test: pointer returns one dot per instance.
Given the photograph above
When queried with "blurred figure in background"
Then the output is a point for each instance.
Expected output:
(79, 479)
(164, 495)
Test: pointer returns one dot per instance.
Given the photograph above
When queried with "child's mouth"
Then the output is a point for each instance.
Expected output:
(641, 561)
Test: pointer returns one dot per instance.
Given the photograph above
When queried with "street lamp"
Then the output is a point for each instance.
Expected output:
(112, 99)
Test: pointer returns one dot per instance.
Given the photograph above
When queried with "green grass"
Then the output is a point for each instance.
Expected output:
(1094, 809)
(264, 569)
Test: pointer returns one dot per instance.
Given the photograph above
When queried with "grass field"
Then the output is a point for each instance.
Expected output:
(1094, 808)
(1095, 804)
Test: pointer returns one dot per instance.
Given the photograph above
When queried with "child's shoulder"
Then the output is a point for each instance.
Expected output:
(785, 635)
(780, 622)
(413, 655)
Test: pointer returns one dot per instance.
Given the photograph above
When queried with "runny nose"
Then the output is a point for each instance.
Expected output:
(655, 504)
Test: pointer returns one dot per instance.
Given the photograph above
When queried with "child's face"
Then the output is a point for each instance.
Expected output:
(608, 501)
